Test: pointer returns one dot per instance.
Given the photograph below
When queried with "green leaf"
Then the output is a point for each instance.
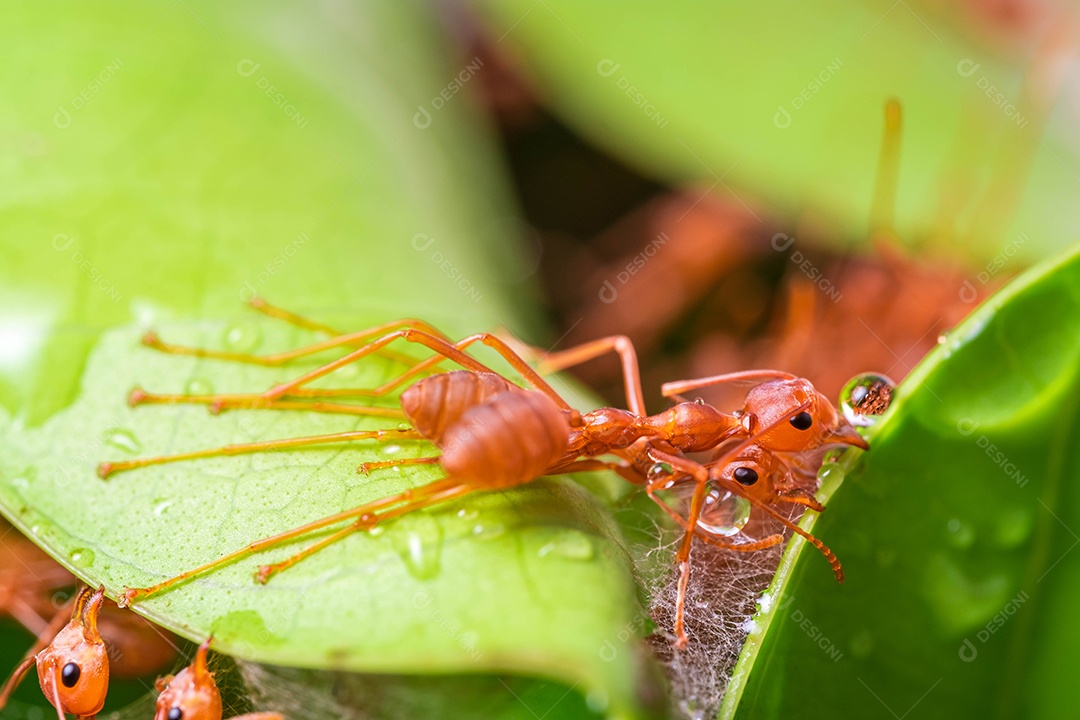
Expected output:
(785, 101)
(172, 159)
(958, 533)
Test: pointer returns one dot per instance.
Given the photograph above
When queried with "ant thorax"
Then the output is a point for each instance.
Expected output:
(608, 427)
(692, 426)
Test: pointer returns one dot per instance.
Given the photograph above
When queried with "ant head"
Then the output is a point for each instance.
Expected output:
(74, 669)
(756, 472)
(191, 694)
(811, 420)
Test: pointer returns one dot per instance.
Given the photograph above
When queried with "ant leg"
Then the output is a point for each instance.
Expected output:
(106, 469)
(798, 496)
(366, 468)
(619, 344)
(437, 492)
(151, 339)
(624, 469)
(273, 311)
(257, 401)
(452, 351)
(682, 558)
(676, 388)
(439, 486)
(830, 556)
(720, 542)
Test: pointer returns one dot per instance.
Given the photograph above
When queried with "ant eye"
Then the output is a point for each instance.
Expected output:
(70, 674)
(176, 714)
(745, 475)
(802, 421)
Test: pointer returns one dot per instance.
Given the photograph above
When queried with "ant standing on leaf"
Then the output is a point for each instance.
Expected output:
(192, 694)
(496, 435)
(73, 668)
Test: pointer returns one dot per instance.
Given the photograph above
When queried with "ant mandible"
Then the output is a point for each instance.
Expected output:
(73, 668)
(192, 694)
(496, 435)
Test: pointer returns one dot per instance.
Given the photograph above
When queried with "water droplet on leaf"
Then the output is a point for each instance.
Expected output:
(122, 439)
(242, 338)
(569, 544)
(199, 386)
(960, 534)
(82, 557)
(420, 546)
(865, 397)
(724, 513)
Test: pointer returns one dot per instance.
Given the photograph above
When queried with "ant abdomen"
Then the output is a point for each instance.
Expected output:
(507, 440)
(436, 403)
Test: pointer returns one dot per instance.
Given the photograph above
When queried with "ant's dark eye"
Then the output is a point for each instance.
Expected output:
(802, 421)
(746, 476)
(176, 714)
(70, 674)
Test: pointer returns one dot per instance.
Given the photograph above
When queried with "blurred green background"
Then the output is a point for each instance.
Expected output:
(716, 182)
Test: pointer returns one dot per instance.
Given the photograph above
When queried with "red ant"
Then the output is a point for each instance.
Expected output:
(495, 435)
(192, 694)
(73, 668)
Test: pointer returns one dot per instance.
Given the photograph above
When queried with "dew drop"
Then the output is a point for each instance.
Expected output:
(488, 531)
(724, 513)
(242, 338)
(865, 397)
(122, 439)
(404, 427)
(467, 513)
(82, 557)
(597, 700)
(161, 506)
(1014, 526)
(420, 546)
(831, 473)
(20, 483)
(658, 470)
(861, 643)
(570, 544)
(959, 534)
(391, 449)
(961, 598)
(199, 386)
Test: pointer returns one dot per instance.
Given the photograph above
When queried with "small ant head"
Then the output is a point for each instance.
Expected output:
(756, 472)
(811, 420)
(74, 669)
(191, 694)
